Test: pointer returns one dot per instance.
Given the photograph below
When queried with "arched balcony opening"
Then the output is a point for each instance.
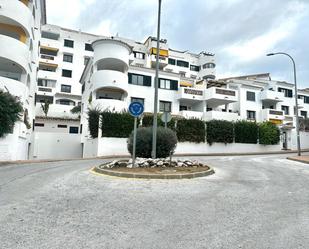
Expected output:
(111, 93)
(13, 29)
(10, 69)
(112, 64)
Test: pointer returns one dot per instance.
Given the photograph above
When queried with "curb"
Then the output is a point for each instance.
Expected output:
(208, 172)
(298, 160)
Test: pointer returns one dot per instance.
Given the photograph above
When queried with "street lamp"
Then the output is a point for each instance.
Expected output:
(155, 109)
(296, 99)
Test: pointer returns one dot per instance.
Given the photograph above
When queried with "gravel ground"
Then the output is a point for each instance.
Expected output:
(251, 202)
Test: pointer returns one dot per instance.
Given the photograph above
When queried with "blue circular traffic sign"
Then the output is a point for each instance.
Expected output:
(136, 109)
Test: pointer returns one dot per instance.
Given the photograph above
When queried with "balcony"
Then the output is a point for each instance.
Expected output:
(47, 91)
(273, 116)
(19, 54)
(219, 115)
(110, 79)
(190, 94)
(111, 51)
(56, 111)
(272, 96)
(15, 87)
(163, 61)
(53, 45)
(24, 17)
(191, 114)
(220, 96)
(110, 104)
(47, 75)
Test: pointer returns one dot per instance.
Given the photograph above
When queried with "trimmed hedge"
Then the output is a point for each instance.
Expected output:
(93, 121)
(219, 131)
(147, 121)
(191, 130)
(246, 132)
(166, 142)
(117, 124)
(269, 134)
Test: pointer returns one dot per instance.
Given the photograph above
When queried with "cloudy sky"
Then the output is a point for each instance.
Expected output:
(239, 32)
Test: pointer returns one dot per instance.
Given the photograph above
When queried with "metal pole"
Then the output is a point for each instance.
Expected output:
(165, 118)
(134, 142)
(296, 100)
(155, 109)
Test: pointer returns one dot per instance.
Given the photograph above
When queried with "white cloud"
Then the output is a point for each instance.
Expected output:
(103, 28)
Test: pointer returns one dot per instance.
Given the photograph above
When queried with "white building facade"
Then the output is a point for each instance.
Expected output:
(20, 32)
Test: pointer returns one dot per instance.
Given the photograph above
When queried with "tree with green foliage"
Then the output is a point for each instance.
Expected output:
(76, 109)
(45, 107)
(10, 112)
(166, 142)
(269, 133)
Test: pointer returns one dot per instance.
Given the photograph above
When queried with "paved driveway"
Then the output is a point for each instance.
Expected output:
(251, 202)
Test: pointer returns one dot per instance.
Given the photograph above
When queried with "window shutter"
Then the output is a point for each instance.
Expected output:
(290, 93)
(174, 85)
(130, 78)
(147, 80)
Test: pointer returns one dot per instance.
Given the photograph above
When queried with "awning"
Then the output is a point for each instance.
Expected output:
(163, 52)
(186, 83)
(49, 48)
(48, 64)
(276, 121)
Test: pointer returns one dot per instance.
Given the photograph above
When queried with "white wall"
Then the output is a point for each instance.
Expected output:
(13, 147)
(90, 148)
(49, 145)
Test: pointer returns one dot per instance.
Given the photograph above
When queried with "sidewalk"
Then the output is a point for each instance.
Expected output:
(302, 159)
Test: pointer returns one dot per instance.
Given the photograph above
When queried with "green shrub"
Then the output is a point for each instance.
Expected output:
(246, 132)
(166, 142)
(117, 124)
(148, 121)
(191, 130)
(269, 134)
(10, 112)
(93, 121)
(219, 131)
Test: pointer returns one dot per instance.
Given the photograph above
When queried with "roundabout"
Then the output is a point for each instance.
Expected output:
(154, 169)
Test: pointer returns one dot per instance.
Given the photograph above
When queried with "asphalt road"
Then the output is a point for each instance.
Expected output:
(251, 202)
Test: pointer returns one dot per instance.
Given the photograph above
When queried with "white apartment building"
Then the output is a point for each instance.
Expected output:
(20, 31)
(123, 71)
(43, 63)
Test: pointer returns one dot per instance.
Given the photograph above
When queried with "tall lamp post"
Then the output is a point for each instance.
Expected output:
(296, 99)
(155, 109)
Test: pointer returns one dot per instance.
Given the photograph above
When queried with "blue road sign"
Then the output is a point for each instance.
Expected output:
(136, 109)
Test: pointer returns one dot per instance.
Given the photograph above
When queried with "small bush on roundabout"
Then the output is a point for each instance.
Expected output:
(166, 142)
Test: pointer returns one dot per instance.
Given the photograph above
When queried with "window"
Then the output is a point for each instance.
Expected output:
(182, 63)
(140, 100)
(39, 124)
(73, 130)
(69, 43)
(209, 65)
(139, 55)
(65, 102)
(46, 83)
(168, 84)
(306, 99)
(62, 126)
(138, 79)
(250, 96)
(165, 106)
(303, 113)
(88, 47)
(47, 68)
(251, 115)
(171, 61)
(194, 68)
(68, 58)
(285, 109)
(66, 88)
(67, 73)
(183, 108)
(287, 92)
